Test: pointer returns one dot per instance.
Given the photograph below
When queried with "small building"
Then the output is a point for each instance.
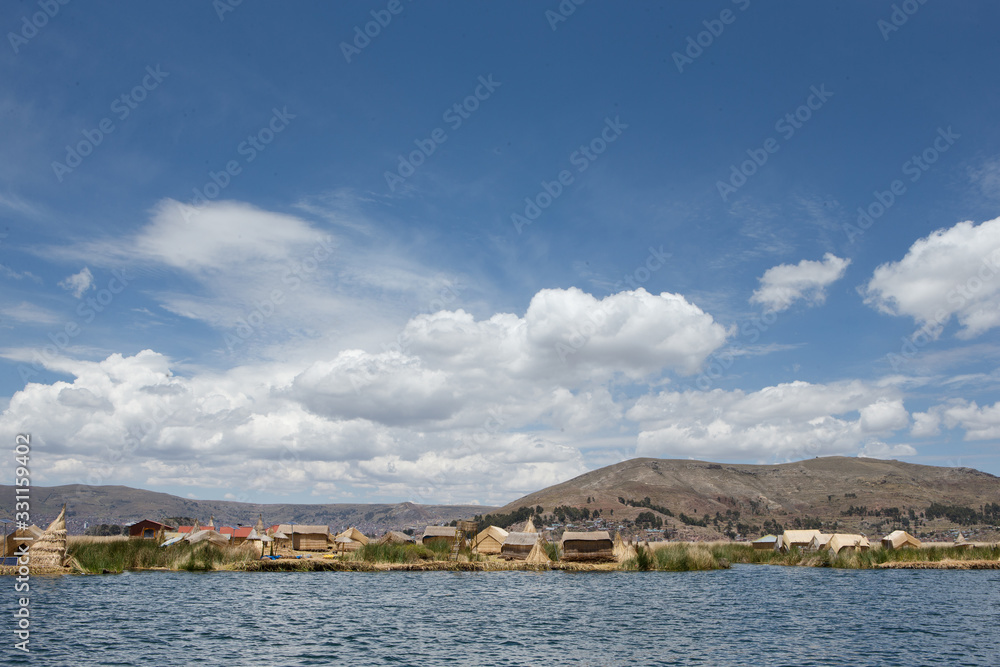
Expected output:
(591, 546)
(244, 534)
(147, 529)
(489, 540)
(819, 542)
(447, 534)
(209, 535)
(306, 538)
(900, 539)
(792, 539)
(766, 543)
(351, 539)
(517, 546)
(839, 542)
(396, 537)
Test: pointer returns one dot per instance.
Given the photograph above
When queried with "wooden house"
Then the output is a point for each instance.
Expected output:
(517, 546)
(147, 529)
(432, 534)
(592, 546)
(489, 540)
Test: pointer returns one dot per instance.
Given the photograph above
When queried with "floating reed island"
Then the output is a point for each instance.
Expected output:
(466, 547)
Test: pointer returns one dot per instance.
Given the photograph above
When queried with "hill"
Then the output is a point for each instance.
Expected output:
(857, 493)
(122, 505)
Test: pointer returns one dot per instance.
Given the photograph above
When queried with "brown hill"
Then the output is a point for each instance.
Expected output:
(828, 489)
(122, 505)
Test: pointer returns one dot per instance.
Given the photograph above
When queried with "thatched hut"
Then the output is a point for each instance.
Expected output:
(517, 546)
(819, 542)
(351, 539)
(396, 537)
(766, 543)
(537, 556)
(308, 538)
(529, 526)
(148, 530)
(489, 540)
(592, 546)
(209, 535)
(433, 534)
(839, 542)
(49, 551)
(28, 536)
(791, 539)
(900, 539)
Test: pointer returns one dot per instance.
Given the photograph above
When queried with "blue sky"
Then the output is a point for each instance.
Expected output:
(253, 252)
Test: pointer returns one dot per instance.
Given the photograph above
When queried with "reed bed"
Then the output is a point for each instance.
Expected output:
(676, 557)
(119, 555)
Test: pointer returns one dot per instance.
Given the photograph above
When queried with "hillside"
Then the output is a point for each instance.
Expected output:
(122, 505)
(828, 489)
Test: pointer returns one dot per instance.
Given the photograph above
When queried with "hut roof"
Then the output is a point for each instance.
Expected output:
(791, 537)
(245, 532)
(538, 555)
(353, 535)
(529, 526)
(839, 541)
(520, 539)
(767, 539)
(592, 536)
(440, 531)
(395, 537)
(900, 538)
(226, 530)
(278, 535)
(497, 533)
(259, 526)
(303, 529)
(209, 535)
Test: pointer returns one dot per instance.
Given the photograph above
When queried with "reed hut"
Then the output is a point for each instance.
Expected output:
(537, 556)
(489, 540)
(900, 539)
(396, 537)
(962, 543)
(28, 536)
(147, 530)
(766, 543)
(595, 546)
(244, 534)
(517, 546)
(433, 534)
(49, 551)
(529, 526)
(281, 540)
(209, 535)
(309, 538)
(839, 542)
(819, 542)
(791, 539)
(351, 539)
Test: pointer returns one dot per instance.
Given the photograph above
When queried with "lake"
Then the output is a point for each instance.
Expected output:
(750, 614)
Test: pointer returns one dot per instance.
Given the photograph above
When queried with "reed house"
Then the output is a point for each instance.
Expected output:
(489, 540)
(595, 546)
(447, 534)
(517, 546)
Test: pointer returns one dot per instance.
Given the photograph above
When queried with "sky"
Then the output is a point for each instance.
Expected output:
(456, 252)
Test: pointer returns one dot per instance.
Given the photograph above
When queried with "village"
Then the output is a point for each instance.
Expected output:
(466, 541)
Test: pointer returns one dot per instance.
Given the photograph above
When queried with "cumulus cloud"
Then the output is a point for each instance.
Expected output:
(952, 272)
(465, 408)
(781, 422)
(979, 423)
(880, 450)
(783, 285)
(78, 283)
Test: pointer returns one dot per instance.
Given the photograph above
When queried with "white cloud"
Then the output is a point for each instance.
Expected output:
(781, 422)
(8, 272)
(29, 313)
(880, 450)
(979, 423)
(783, 285)
(952, 272)
(78, 283)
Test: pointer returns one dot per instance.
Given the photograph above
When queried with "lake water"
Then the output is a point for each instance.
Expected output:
(759, 615)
